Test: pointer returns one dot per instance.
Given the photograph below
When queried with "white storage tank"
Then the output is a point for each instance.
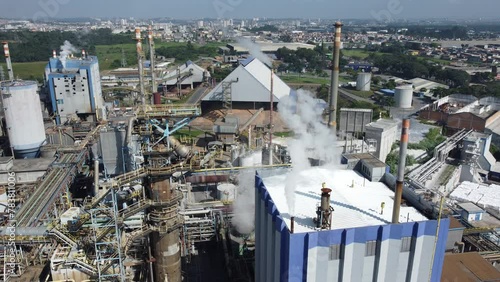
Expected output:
(226, 192)
(404, 96)
(363, 82)
(23, 115)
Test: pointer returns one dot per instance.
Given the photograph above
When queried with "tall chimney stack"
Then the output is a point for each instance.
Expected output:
(6, 52)
(141, 65)
(54, 54)
(403, 147)
(152, 59)
(84, 54)
(271, 119)
(334, 88)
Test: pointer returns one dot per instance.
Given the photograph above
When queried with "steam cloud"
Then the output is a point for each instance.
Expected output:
(244, 204)
(66, 50)
(255, 51)
(313, 138)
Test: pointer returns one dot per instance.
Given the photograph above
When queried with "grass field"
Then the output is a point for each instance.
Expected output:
(294, 78)
(27, 71)
(363, 94)
(363, 54)
(107, 54)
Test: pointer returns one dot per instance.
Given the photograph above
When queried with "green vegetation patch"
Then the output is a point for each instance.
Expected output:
(431, 140)
(27, 71)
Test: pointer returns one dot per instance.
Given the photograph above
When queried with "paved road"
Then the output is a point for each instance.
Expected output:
(197, 95)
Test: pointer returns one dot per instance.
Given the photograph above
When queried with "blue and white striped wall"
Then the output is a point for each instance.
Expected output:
(281, 256)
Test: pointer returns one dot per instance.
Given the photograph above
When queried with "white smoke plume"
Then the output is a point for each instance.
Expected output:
(244, 204)
(66, 50)
(255, 51)
(313, 139)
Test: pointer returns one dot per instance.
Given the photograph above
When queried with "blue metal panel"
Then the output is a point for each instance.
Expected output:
(437, 266)
(285, 255)
(294, 260)
(90, 75)
(298, 257)
(53, 99)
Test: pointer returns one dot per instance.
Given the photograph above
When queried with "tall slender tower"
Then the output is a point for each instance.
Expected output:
(7, 60)
(152, 59)
(140, 61)
(271, 118)
(403, 147)
(334, 88)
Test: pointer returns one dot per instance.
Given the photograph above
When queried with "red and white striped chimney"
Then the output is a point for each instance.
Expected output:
(54, 54)
(7, 60)
(84, 54)
(6, 51)
(138, 34)
(150, 33)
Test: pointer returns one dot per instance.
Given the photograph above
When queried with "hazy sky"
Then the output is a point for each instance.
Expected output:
(185, 9)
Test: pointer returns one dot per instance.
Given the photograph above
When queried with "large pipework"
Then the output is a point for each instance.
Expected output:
(141, 65)
(403, 147)
(96, 177)
(324, 211)
(152, 59)
(181, 150)
(6, 52)
(334, 88)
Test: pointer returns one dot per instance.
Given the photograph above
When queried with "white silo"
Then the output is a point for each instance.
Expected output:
(23, 115)
(363, 82)
(404, 96)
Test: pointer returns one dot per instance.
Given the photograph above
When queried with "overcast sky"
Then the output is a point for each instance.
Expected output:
(190, 9)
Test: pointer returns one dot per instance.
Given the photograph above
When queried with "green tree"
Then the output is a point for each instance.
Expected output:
(391, 84)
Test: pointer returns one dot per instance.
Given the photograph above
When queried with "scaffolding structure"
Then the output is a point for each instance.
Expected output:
(108, 252)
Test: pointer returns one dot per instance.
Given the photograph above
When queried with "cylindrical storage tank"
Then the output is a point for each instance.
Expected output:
(23, 115)
(404, 96)
(157, 98)
(226, 192)
(363, 82)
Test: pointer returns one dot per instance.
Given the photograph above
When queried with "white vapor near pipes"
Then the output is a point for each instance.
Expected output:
(313, 139)
(244, 204)
(66, 50)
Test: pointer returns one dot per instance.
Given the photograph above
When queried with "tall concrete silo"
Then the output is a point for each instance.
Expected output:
(23, 115)
(404, 96)
(364, 81)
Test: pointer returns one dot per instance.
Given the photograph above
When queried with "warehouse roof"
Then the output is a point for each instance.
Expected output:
(420, 83)
(356, 202)
(251, 83)
(468, 267)
(470, 207)
(190, 70)
(382, 124)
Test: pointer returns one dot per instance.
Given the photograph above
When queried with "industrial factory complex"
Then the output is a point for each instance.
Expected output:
(91, 190)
